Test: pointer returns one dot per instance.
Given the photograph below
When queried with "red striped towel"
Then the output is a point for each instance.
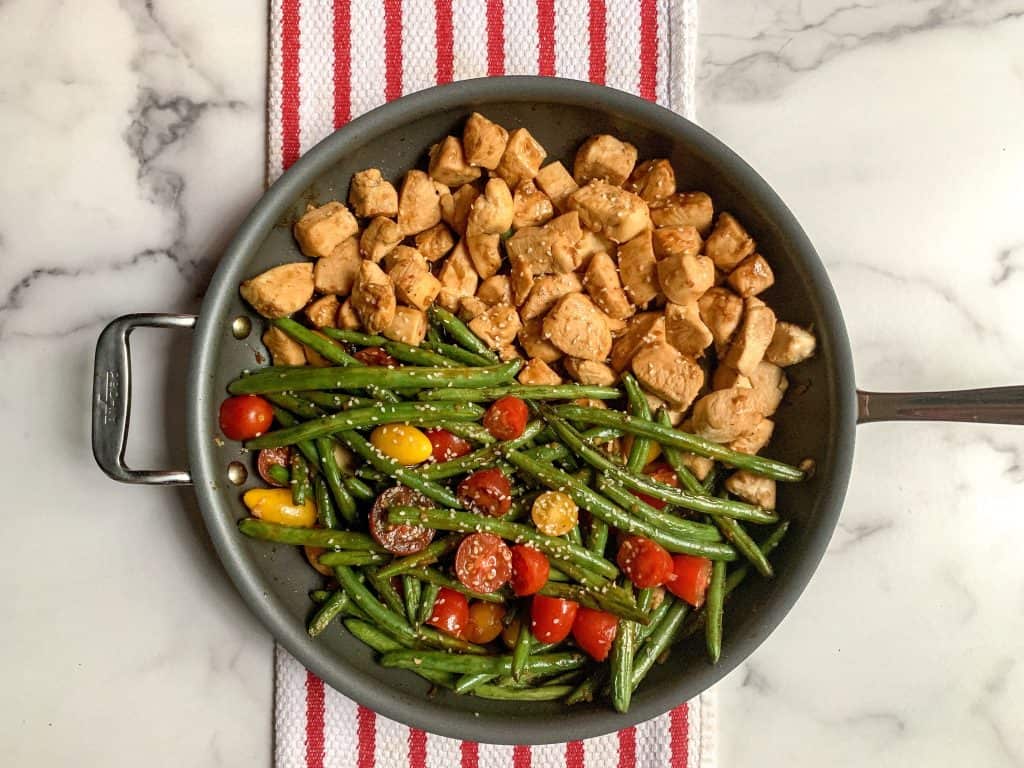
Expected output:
(332, 60)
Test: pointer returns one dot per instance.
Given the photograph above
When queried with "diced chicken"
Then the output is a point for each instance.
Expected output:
(373, 297)
(336, 272)
(419, 203)
(455, 207)
(577, 327)
(531, 336)
(684, 329)
(700, 466)
(379, 238)
(753, 337)
(498, 326)
(615, 326)
(590, 372)
(756, 439)
(495, 290)
(676, 241)
(641, 330)
(404, 253)
(638, 268)
(485, 253)
(414, 284)
(284, 350)
(729, 243)
(721, 311)
(557, 184)
(536, 371)
(483, 142)
(532, 207)
(347, 317)
(653, 180)
(568, 225)
(458, 278)
(686, 209)
(751, 276)
(592, 243)
(603, 285)
(685, 278)
(281, 290)
(370, 194)
(521, 159)
(752, 488)
(541, 250)
(520, 274)
(725, 414)
(409, 326)
(668, 373)
(493, 211)
(435, 243)
(546, 291)
(470, 307)
(606, 158)
(448, 164)
(725, 377)
(769, 382)
(323, 313)
(611, 211)
(509, 352)
(790, 345)
(320, 230)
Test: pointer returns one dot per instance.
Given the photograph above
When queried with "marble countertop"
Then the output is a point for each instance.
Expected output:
(132, 145)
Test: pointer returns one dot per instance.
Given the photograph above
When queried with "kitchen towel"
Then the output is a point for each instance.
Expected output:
(332, 60)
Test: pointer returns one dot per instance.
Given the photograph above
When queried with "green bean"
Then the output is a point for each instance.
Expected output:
(371, 475)
(397, 349)
(279, 474)
(357, 488)
(326, 613)
(429, 554)
(597, 536)
(660, 639)
(460, 332)
(639, 408)
(470, 430)
(713, 606)
(469, 682)
(356, 337)
(451, 662)
(482, 457)
(526, 391)
(745, 545)
(655, 617)
(767, 546)
(324, 347)
(458, 354)
(587, 690)
(385, 589)
(612, 600)
(674, 457)
(405, 475)
(433, 576)
(689, 529)
(332, 474)
(411, 588)
(574, 536)
(312, 537)
(299, 479)
(427, 600)
(707, 485)
(349, 557)
(379, 614)
(381, 643)
(295, 405)
(320, 596)
(336, 401)
(621, 665)
(521, 651)
(566, 678)
(326, 514)
(306, 447)
(543, 693)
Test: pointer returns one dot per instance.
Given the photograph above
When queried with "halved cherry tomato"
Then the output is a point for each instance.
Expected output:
(451, 612)
(401, 538)
(269, 457)
(663, 473)
(506, 418)
(484, 621)
(530, 570)
(551, 618)
(483, 562)
(690, 578)
(486, 492)
(647, 563)
(375, 356)
(594, 631)
(243, 417)
(446, 446)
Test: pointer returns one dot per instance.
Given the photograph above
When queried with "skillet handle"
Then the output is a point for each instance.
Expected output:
(997, 405)
(112, 398)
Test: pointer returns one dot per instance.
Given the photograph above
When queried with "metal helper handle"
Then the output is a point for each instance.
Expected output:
(112, 399)
(998, 405)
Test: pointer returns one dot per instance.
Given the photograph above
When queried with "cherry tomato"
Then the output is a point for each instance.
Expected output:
(506, 418)
(646, 562)
(486, 492)
(446, 446)
(244, 417)
(269, 457)
(594, 631)
(551, 618)
(690, 578)
(554, 513)
(484, 621)
(400, 539)
(510, 634)
(451, 612)
(483, 562)
(663, 473)
(375, 356)
(530, 570)
(313, 555)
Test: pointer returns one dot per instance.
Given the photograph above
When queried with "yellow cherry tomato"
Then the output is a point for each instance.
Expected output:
(554, 513)
(405, 444)
(275, 505)
(484, 621)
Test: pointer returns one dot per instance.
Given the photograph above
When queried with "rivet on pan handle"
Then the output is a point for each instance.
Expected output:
(112, 399)
(997, 405)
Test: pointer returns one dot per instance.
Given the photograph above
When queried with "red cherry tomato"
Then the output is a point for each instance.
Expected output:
(243, 417)
(451, 612)
(375, 356)
(506, 418)
(399, 538)
(594, 631)
(270, 457)
(483, 562)
(663, 473)
(446, 445)
(486, 492)
(690, 578)
(551, 618)
(646, 562)
(530, 570)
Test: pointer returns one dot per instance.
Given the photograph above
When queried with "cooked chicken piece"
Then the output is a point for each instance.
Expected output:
(495, 290)
(592, 243)
(414, 284)
(470, 307)
(536, 371)
(448, 164)
(602, 283)
(409, 326)
(404, 253)
(546, 291)
(685, 278)
(756, 439)
(590, 372)
(532, 207)
(520, 275)
(604, 157)
(676, 241)
(370, 194)
(498, 326)
(729, 243)
(541, 250)
(615, 326)
(770, 384)
(700, 466)
(653, 180)
(725, 414)
(336, 272)
(721, 310)
(641, 330)
(493, 211)
(668, 373)
(686, 209)
(321, 229)
(323, 313)
(521, 159)
(531, 336)
(419, 203)
(435, 243)
(577, 327)
(379, 238)
(752, 488)
(638, 268)
(725, 377)
(485, 253)
(684, 329)
(790, 345)
(455, 207)
(347, 317)
(557, 183)
(281, 290)
(483, 142)
(313, 357)
(284, 350)
(751, 276)
(458, 278)
(509, 352)
(753, 337)
(373, 297)
(611, 211)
